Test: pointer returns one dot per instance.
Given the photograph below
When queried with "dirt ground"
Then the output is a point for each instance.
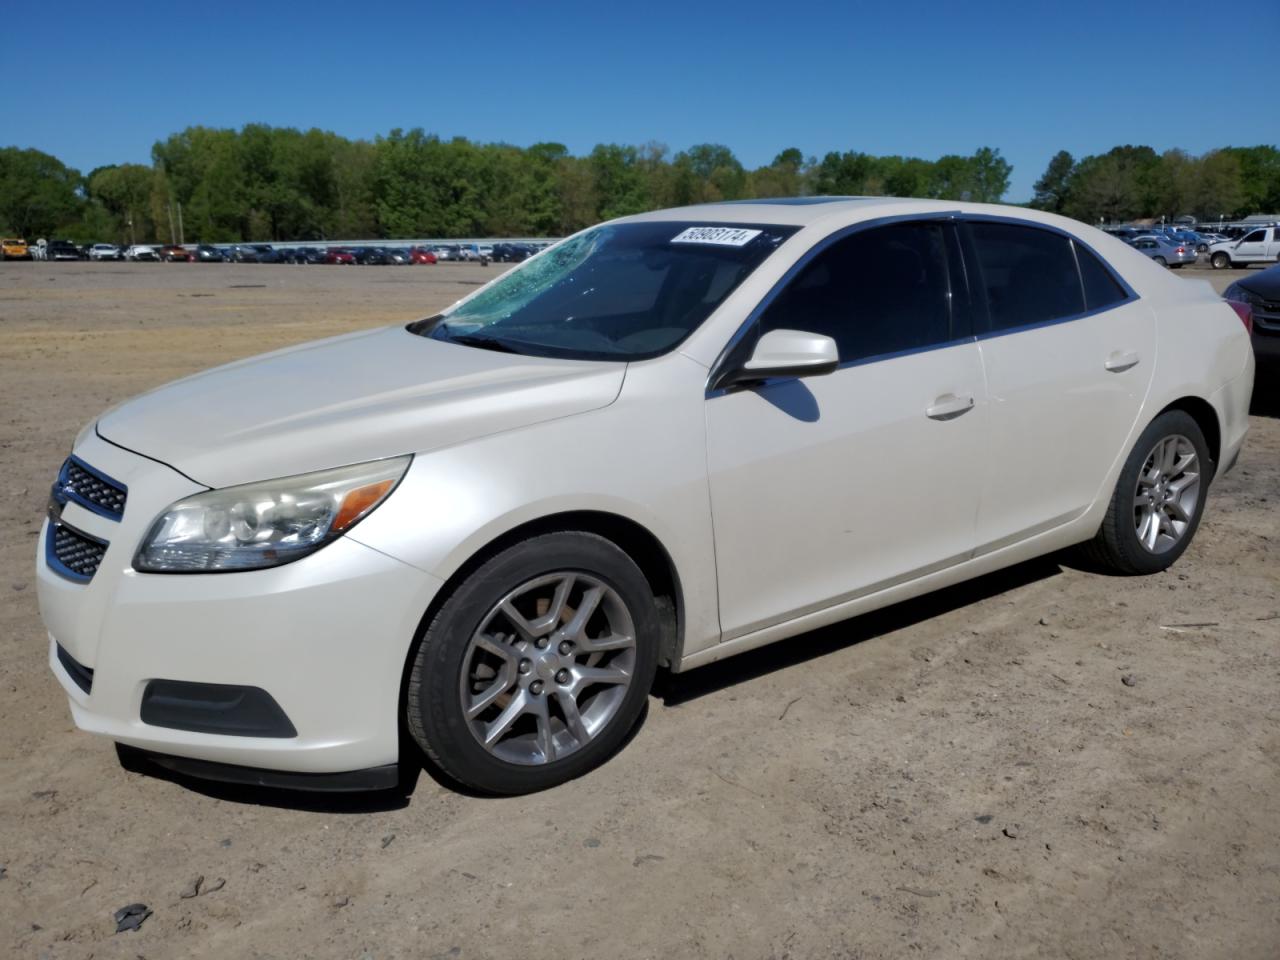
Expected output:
(960, 776)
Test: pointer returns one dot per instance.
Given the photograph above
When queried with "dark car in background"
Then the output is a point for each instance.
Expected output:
(267, 253)
(207, 254)
(63, 250)
(339, 255)
(399, 256)
(1261, 291)
(172, 253)
(371, 256)
(309, 255)
(512, 252)
(242, 254)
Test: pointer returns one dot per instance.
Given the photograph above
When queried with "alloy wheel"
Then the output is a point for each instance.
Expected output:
(548, 668)
(1167, 494)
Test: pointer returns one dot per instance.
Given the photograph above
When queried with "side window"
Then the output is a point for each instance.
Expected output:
(1256, 237)
(877, 291)
(1101, 289)
(1029, 274)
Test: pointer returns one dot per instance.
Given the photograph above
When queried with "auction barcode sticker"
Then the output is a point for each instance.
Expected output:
(717, 236)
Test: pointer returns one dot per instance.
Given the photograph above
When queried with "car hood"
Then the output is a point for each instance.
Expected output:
(349, 399)
(1265, 284)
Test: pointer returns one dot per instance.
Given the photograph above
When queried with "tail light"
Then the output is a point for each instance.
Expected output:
(1244, 311)
(1181, 250)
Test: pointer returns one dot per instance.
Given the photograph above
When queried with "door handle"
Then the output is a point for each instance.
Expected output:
(949, 406)
(1120, 361)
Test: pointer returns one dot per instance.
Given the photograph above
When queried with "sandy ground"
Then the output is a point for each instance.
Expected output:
(960, 776)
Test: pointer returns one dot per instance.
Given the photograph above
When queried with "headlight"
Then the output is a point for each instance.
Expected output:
(265, 524)
(1242, 295)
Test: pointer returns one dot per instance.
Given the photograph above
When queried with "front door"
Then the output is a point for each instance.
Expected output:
(830, 487)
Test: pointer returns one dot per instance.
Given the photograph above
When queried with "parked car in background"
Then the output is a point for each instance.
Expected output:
(486, 251)
(371, 256)
(173, 253)
(104, 251)
(368, 560)
(1164, 251)
(1261, 292)
(510, 252)
(421, 255)
(310, 255)
(339, 255)
(267, 253)
(240, 253)
(447, 251)
(1261, 245)
(141, 252)
(208, 254)
(14, 248)
(62, 250)
(399, 256)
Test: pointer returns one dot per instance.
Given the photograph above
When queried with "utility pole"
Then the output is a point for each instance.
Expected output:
(182, 237)
(173, 236)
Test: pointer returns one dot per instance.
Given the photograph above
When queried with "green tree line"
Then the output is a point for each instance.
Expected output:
(1129, 182)
(276, 183)
(263, 183)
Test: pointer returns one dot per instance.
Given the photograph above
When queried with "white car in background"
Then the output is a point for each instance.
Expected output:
(141, 251)
(669, 439)
(104, 251)
(1261, 245)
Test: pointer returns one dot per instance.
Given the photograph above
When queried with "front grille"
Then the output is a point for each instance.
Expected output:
(77, 671)
(74, 554)
(79, 482)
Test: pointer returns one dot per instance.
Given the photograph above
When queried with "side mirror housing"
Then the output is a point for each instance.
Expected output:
(785, 353)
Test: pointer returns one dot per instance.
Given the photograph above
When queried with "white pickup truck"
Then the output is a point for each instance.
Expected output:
(1261, 245)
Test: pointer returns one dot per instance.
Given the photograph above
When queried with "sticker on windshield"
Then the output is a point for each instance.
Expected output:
(716, 236)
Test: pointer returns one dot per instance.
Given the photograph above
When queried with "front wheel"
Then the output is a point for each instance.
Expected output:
(537, 666)
(1158, 500)
(1220, 261)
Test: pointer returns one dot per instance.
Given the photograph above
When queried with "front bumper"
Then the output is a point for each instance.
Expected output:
(326, 637)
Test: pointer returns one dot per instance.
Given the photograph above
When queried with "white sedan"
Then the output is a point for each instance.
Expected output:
(104, 251)
(666, 440)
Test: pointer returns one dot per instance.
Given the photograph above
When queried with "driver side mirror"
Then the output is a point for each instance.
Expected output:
(785, 353)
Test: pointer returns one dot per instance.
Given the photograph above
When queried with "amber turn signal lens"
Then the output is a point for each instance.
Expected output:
(359, 502)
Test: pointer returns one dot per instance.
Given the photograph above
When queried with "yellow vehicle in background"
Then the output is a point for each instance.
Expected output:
(14, 250)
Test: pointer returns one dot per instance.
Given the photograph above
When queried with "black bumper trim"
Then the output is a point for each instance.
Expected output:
(222, 708)
(352, 781)
(81, 675)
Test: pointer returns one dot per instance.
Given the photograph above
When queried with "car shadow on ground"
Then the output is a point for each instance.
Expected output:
(675, 689)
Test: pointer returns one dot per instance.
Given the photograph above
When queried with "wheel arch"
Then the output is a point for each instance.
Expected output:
(633, 538)
(1206, 418)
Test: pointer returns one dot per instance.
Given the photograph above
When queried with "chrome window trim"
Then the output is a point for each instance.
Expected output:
(978, 303)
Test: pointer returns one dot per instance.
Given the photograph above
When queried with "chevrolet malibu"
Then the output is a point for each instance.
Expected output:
(665, 440)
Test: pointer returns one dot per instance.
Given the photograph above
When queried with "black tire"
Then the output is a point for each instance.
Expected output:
(1116, 547)
(1220, 260)
(434, 711)
(1161, 260)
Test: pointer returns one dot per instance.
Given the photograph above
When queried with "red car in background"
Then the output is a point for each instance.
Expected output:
(421, 255)
(175, 254)
(338, 255)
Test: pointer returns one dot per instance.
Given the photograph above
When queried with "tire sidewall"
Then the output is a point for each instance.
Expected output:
(1169, 423)
(439, 724)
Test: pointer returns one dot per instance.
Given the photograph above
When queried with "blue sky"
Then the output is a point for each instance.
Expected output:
(97, 83)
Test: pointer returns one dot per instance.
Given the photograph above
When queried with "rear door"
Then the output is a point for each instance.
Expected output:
(1068, 350)
(830, 487)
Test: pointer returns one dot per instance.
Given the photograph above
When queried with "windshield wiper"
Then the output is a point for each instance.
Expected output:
(483, 342)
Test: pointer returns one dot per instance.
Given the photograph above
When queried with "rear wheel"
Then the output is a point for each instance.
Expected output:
(1161, 260)
(1158, 500)
(537, 666)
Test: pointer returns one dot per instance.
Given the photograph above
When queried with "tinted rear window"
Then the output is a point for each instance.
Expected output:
(1101, 289)
(1029, 274)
